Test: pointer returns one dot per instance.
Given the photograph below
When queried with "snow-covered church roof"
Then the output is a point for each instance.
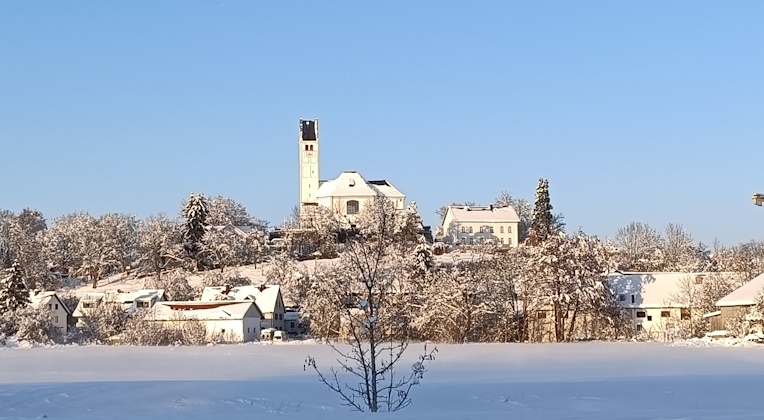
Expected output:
(352, 184)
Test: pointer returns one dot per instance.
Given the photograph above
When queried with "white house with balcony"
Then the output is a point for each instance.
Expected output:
(350, 192)
(477, 224)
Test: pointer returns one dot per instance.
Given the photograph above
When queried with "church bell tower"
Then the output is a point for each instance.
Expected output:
(308, 143)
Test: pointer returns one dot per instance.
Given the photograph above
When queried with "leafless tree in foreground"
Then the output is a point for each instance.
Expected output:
(367, 290)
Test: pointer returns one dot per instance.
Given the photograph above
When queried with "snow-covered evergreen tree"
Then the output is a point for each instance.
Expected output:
(542, 224)
(13, 292)
(195, 211)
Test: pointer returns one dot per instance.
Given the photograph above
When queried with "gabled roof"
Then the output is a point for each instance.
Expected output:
(38, 298)
(239, 230)
(653, 289)
(744, 295)
(204, 311)
(266, 298)
(352, 184)
(483, 214)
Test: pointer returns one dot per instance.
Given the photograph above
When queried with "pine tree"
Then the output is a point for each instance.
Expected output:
(196, 213)
(13, 293)
(543, 223)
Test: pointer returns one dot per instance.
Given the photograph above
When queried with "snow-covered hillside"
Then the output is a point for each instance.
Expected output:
(474, 381)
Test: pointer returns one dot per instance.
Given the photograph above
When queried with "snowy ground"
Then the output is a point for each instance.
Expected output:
(485, 381)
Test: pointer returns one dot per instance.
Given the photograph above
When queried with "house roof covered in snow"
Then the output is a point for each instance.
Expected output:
(268, 297)
(494, 214)
(352, 184)
(744, 295)
(652, 290)
(205, 311)
(39, 298)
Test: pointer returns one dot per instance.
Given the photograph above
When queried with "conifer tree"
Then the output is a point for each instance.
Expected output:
(196, 213)
(543, 223)
(13, 293)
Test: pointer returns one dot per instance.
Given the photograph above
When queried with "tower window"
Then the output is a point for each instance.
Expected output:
(306, 147)
(311, 147)
(352, 207)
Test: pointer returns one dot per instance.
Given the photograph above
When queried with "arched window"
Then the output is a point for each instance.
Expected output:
(352, 207)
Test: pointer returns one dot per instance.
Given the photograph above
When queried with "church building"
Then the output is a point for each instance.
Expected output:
(347, 194)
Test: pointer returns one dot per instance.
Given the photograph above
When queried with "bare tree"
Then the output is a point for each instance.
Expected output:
(368, 297)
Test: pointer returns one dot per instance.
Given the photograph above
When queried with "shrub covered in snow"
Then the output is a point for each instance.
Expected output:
(175, 285)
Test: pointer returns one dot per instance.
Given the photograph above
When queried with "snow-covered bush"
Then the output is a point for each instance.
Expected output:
(141, 330)
(35, 325)
(175, 285)
(101, 323)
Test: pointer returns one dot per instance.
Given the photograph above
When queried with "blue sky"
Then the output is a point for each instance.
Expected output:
(646, 111)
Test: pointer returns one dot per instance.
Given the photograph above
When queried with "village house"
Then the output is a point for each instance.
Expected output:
(267, 297)
(656, 301)
(740, 301)
(230, 321)
(477, 224)
(59, 313)
(130, 301)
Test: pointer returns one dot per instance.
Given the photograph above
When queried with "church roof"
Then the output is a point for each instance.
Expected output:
(352, 184)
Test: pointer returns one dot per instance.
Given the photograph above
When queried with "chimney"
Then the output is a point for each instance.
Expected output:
(227, 289)
(262, 287)
(491, 206)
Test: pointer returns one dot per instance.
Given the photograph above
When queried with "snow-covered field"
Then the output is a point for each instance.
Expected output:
(473, 381)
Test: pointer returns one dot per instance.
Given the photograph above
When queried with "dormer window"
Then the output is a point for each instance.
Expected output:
(351, 182)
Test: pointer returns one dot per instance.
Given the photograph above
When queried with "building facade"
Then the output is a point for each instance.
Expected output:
(467, 225)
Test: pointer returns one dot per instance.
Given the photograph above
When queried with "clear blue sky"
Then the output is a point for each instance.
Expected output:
(647, 111)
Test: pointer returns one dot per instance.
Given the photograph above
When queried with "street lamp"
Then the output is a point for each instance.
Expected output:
(758, 199)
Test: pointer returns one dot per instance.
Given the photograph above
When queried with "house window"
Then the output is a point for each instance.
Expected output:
(55, 319)
(649, 317)
(509, 241)
(641, 314)
(352, 207)
(470, 229)
(698, 279)
(509, 229)
(291, 325)
(471, 241)
(464, 240)
(622, 298)
(501, 229)
(57, 306)
(464, 229)
(247, 330)
(685, 314)
(482, 229)
(632, 298)
(639, 327)
(541, 314)
(665, 314)
(50, 306)
(502, 240)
